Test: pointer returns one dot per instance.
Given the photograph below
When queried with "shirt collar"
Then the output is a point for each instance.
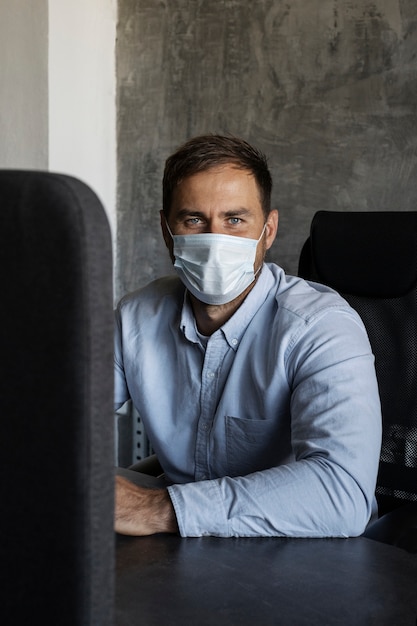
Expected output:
(235, 327)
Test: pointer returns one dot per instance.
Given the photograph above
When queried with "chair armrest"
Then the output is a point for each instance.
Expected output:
(398, 528)
(149, 465)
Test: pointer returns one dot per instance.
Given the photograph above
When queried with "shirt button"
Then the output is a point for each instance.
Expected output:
(210, 374)
(234, 342)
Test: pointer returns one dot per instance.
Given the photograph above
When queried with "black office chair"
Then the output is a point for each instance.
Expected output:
(371, 259)
(56, 390)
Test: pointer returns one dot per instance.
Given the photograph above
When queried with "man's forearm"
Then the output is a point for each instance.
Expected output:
(142, 511)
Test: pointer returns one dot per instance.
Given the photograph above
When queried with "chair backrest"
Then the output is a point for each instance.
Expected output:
(56, 388)
(371, 259)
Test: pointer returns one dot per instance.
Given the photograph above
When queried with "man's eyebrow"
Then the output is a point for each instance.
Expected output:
(238, 212)
(187, 212)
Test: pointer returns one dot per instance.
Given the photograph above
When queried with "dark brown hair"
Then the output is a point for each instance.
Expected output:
(202, 153)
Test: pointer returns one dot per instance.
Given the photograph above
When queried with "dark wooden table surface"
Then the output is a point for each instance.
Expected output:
(165, 579)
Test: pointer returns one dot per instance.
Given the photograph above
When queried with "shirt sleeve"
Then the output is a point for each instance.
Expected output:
(328, 490)
(121, 392)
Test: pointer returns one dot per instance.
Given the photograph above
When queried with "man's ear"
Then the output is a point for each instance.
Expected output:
(167, 237)
(271, 228)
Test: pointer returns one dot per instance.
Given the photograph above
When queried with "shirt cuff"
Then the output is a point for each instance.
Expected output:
(199, 509)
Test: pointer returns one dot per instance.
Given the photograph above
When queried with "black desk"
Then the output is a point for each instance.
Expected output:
(166, 580)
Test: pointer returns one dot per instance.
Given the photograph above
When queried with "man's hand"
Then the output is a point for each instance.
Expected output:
(142, 511)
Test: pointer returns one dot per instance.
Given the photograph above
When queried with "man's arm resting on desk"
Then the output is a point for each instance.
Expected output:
(142, 511)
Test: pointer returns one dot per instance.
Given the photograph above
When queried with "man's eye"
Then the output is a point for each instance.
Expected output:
(235, 220)
(193, 220)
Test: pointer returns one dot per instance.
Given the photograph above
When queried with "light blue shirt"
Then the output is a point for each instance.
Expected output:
(271, 429)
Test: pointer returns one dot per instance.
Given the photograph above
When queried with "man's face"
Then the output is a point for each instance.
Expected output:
(223, 200)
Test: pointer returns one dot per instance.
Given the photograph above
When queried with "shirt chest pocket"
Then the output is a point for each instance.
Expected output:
(253, 445)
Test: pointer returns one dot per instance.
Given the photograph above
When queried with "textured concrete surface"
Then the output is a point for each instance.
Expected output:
(327, 88)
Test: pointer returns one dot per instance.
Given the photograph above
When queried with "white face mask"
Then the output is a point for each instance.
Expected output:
(215, 268)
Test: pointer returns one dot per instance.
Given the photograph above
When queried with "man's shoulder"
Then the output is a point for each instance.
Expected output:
(307, 300)
(165, 291)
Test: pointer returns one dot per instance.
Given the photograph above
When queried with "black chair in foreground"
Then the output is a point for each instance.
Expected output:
(56, 389)
(370, 258)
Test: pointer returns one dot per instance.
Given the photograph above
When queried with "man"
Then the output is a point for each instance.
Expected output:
(257, 389)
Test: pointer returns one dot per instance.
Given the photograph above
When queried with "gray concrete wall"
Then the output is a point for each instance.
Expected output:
(24, 84)
(327, 88)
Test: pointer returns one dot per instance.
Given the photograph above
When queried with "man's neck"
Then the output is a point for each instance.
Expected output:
(210, 317)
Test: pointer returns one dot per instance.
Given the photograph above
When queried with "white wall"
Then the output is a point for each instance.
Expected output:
(24, 84)
(82, 94)
(58, 90)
